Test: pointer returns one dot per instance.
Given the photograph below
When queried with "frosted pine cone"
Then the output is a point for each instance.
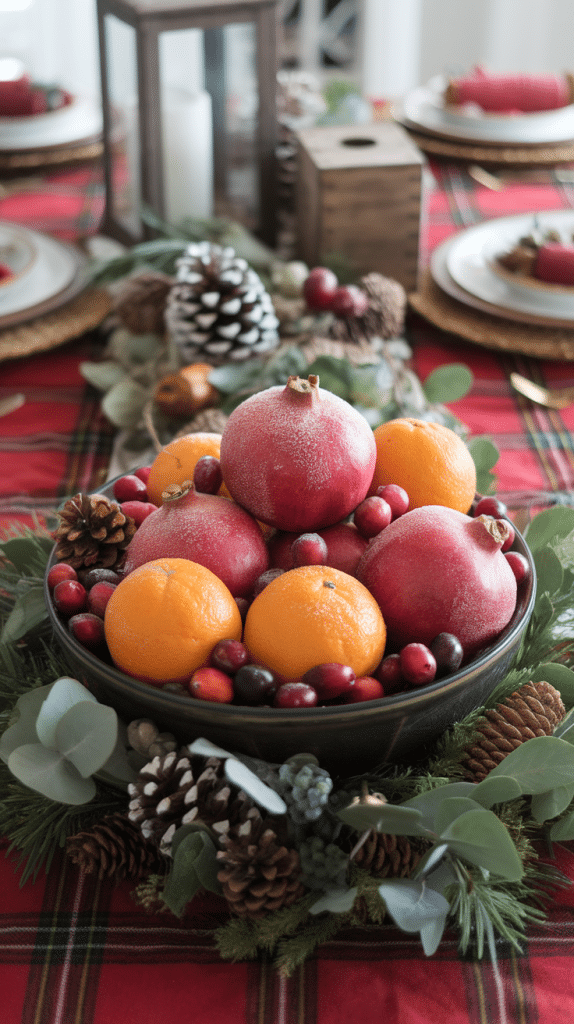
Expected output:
(219, 310)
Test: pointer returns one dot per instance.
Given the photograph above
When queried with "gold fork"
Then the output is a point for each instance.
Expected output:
(552, 398)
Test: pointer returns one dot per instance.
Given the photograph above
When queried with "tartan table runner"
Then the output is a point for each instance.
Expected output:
(75, 951)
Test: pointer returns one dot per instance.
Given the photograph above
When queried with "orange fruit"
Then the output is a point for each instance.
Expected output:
(311, 616)
(176, 462)
(164, 619)
(430, 461)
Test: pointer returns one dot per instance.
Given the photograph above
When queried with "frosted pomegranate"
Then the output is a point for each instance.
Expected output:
(207, 529)
(344, 548)
(434, 571)
(297, 456)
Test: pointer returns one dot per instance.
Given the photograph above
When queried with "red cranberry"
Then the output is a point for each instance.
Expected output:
(243, 606)
(98, 597)
(88, 630)
(371, 516)
(330, 680)
(229, 655)
(138, 510)
(364, 688)
(349, 300)
(93, 576)
(507, 544)
(295, 695)
(389, 673)
(70, 597)
(211, 684)
(266, 577)
(254, 684)
(396, 497)
(130, 488)
(319, 288)
(448, 653)
(143, 473)
(207, 475)
(309, 549)
(490, 507)
(58, 573)
(519, 565)
(418, 664)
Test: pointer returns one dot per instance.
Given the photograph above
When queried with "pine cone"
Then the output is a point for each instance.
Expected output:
(218, 309)
(258, 873)
(93, 532)
(140, 305)
(179, 788)
(116, 849)
(388, 856)
(533, 710)
(210, 421)
(385, 316)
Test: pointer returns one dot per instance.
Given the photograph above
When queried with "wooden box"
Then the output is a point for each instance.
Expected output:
(359, 195)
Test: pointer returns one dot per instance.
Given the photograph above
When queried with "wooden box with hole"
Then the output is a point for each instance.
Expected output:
(359, 197)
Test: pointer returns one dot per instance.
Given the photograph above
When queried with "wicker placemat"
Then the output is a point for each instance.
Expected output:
(531, 156)
(83, 313)
(490, 331)
(50, 156)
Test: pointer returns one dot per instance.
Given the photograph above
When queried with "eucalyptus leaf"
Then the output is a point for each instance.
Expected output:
(428, 803)
(194, 865)
(430, 861)
(28, 612)
(49, 773)
(451, 809)
(543, 613)
(388, 818)
(559, 676)
(242, 776)
(22, 553)
(562, 831)
(498, 789)
(413, 904)
(545, 806)
(63, 694)
(448, 383)
(102, 376)
(431, 934)
(564, 550)
(232, 377)
(485, 455)
(335, 901)
(481, 838)
(118, 765)
(23, 730)
(540, 764)
(205, 748)
(549, 527)
(549, 571)
(86, 735)
(124, 402)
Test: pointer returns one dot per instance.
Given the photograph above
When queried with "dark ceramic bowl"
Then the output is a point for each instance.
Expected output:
(346, 738)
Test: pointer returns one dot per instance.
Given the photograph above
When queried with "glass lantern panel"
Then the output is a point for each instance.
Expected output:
(121, 60)
(209, 107)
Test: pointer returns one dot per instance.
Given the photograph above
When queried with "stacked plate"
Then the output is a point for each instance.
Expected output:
(424, 111)
(466, 268)
(45, 274)
(63, 136)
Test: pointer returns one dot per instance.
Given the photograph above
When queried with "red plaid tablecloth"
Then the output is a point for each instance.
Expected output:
(74, 951)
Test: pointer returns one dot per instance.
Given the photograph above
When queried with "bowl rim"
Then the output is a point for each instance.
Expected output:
(395, 705)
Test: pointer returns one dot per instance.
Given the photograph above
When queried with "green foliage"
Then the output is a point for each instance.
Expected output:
(194, 867)
(485, 455)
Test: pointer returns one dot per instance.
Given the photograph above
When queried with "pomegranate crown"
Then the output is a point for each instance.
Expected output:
(303, 387)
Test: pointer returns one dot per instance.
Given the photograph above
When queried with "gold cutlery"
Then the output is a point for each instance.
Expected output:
(552, 398)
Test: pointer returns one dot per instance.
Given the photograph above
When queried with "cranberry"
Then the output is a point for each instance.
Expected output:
(70, 597)
(319, 288)
(254, 684)
(143, 473)
(207, 475)
(389, 673)
(295, 695)
(98, 598)
(93, 576)
(330, 680)
(88, 630)
(243, 606)
(229, 655)
(490, 507)
(309, 549)
(396, 497)
(211, 684)
(138, 510)
(58, 573)
(418, 664)
(519, 565)
(507, 544)
(448, 653)
(130, 488)
(5, 272)
(364, 688)
(371, 516)
(349, 300)
(266, 577)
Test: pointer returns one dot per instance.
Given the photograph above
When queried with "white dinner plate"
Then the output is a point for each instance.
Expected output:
(17, 252)
(81, 119)
(471, 255)
(54, 269)
(424, 109)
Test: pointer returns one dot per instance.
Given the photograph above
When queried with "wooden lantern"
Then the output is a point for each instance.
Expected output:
(203, 146)
(359, 196)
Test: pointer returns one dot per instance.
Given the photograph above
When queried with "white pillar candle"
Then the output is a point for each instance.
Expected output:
(389, 33)
(187, 154)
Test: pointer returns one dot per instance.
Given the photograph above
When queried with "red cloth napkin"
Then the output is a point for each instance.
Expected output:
(19, 98)
(554, 263)
(504, 93)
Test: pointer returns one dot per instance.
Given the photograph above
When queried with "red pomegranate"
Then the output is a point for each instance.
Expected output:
(297, 456)
(207, 529)
(344, 548)
(435, 570)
